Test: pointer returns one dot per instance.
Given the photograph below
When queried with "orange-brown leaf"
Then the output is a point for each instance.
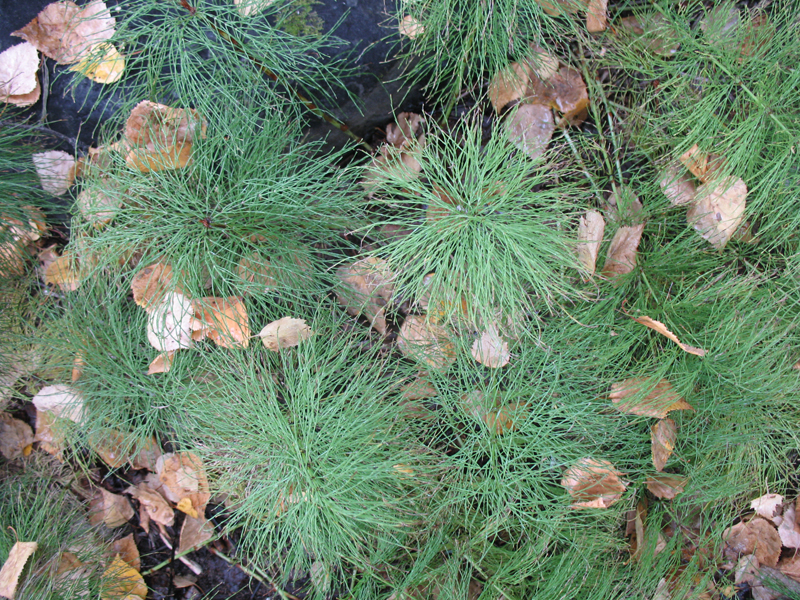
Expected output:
(621, 256)
(662, 329)
(662, 442)
(593, 483)
(638, 396)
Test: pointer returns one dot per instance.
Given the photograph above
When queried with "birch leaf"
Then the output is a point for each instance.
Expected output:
(56, 170)
(12, 568)
(183, 476)
(718, 210)
(61, 401)
(662, 329)
(508, 85)
(490, 349)
(103, 63)
(16, 437)
(769, 507)
(122, 582)
(368, 286)
(530, 128)
(126, 549)
(169, 325)
(223, 320)
(19, 65)
(111, 509)
(666, 486)
(426, 342)
(621, 256)
(677, 186)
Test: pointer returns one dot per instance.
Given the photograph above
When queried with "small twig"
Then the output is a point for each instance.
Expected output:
(179, 555)
(255, 573)
(41, 129)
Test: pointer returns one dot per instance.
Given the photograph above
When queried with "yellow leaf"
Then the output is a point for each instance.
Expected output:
(185, 506)
(121, 581)
(103, 63)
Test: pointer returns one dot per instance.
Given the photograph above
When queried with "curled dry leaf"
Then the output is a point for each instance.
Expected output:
(112, 509)
(102, 64)
(152, 505)
(151, 284)
(662, 329)
(56, 171)
(66, 32)
(122, 582)
(410, 27)
(195, 532)
(718, 210)
(161, 363)
(638, 396)
(590, 234)
(666, 486)
(12, 568)
(19, 65)
(596, 16)
(490, 349)
(126, 549)
(426, 342)
(368, 286)
(789, 529)
(593, 483)
(757, 537)
(16, 437)
(769, 506)
(287, 332)
(676, 185)
(61, 401)
(169, 325)
(183, 476)
(406, 129)
(662, 442)
(530, 129)
(621, 256)
(223, 320)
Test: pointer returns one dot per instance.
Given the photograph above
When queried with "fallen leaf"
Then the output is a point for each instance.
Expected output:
(223, 320)
(789, 529)
(593, 483)
(169, 325)
(49, 435)
(696, 161)
(530, 128)
(662, 329)
(556, 8)
(677, 186)
(790, 566)
(19, 65)
(25, 99)
(565, 91)
(97, 206)
(635, 528)
(757, 536)
(621, 255)
(658, 401)
(151, 284)
(60, 400)
(427, 342)
(498, 417)
(490, 349)
(183, 476)
(122, 582)
(194, 533)
(15, 437)
(126, 549)
(662, 442)
(66, 32)
(543, 64)
(112, 509)
(418, 389)
(406, 129)
(109, 444)
(718, 210)
(596, 16)
(257, 270)
(590, 234)
(287, 332)
(249, 8)
(12, 259)
(368, 286)
(152, 504)
(666, 486)
(655, 30)
(410, 27)
(508, 85)
(55, 170)
(146, 454)
(161, 363)
(769, 507)
(12, 568)
(623, 205)
(662, 591)
(103, 63)
(64, 272)
(184, 581)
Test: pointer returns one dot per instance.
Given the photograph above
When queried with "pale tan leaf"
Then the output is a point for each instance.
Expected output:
(103, 63)
(426, 342)
(112, 509)
(696, 161)
(508, 85)
(195, 532)
(60, 400)
(152, 504)
(184, 581)
(122, 582)
(662, 329)
(19, 65)
(596, 16)
(146, 454)
(25, 99)
(222, 320)
(491, 410)
(662, 591)
(543, 64)
(769, 507)
(12, 568)
(55, 171)
(638, 396)
(530, 128)
(161, 363)
(623, 205)
(250, 8)
(655, 30)
(621, 256)
(490, 349)
(662, 442)
(666, 486)
(256, 269)
(151, 284)
(97, 206)
(757, 536)
(66, 32)
(790, 566)
(410, 27)
(183, 476)
(16, 437)
(176, 156)
(367, 287)
(405, 130)
(287, 332)
(49, 434)
(718, 210)
(593, 483)
(418, 389)
(12, 259)
(789, 529)
(127, 551)
(677, 186)
(590, 234)
(110, 445)
(169, 325)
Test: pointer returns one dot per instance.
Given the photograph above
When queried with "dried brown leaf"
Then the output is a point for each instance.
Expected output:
(496, 415)
(97, 206)
(405, 130)
(621, 256)
(16, 437)
(151, 284)
(48, 433)
(593, 483)
(789, 529)
(161, 363)
(791, 567)
(256, 269)
(126, 549)
(62, 401)
(12, 568)
(530, 128)
(662, 442)
(287, 332)
(146, 454)
(19, 65)
(590, 234)
(223, 320)
(541, 62)
(174, 157)
(152, 504)
(638, 396)
(696, 161)
(367, 287)
(110, 445)
(666, 486)
(508, 85)
(112, 509)
(490, 349)
(757, 536)
(662, 329)
(55, 170)
(597, 16)
(169, 325)
(426, 342)
(769, 507)
(565, 91)
(676, 185)
(718, 210)
(183, 476)
(122, 582)
(418, 389)
(194, 533)
(64, 272)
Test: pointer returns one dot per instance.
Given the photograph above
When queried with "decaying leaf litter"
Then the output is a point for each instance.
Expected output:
(516, 387)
